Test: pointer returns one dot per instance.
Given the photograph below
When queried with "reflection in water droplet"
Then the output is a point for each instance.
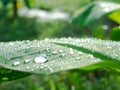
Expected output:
(40, 59)
(16, 63)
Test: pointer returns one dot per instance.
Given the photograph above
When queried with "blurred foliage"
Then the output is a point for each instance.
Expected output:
(22, 28)
(89, 14)
(115, 16)
(115, 34)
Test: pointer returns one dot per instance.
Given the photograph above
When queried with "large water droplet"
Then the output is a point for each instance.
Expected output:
(16, 63)
(40, 58)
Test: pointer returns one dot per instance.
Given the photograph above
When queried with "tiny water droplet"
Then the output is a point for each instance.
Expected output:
(77, 58)
(62, 55)
(16, 63)
(54, 52)
(77, 40)
(71, 51)
(11, 43)
(80, 53)
(27, 68)
(47, 49)
(27, 49)
(27, 61)
(40, 59)
(91, 56)
(60, 51)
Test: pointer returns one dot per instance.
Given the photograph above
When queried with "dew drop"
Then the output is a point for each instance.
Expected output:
(77, 58)
(16, 63)
(27, 68)
(55, 52)
(11, 43)
(80, 53)
(60, 51)
(71, 51)
(40, 59)
(62, 55)
(47, 49)
(91, 56)
(27, 61)
(27, 49)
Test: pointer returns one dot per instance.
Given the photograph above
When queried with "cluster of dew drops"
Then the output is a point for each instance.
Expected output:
(33, 52)
(39, 53)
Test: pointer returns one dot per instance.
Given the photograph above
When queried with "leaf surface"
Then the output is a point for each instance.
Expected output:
(54, 55)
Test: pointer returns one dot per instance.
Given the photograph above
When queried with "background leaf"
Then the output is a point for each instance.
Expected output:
(115, 16)
(94, 11)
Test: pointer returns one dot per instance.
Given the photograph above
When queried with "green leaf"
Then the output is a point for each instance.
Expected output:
(5, 2)
(115, 34)
(54, 55)
(94, 11)
(8, 75)
(115, 16)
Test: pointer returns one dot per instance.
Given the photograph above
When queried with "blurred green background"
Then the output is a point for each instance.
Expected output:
(14, 27)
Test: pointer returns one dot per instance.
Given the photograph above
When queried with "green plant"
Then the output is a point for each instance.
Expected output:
(23, 58)
(15, 4)
(87, 15)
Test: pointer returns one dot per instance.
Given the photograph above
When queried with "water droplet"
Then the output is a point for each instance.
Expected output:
(77, 58)
(16, 63)
(27, 49)
(77, 40)
(60, 51)
(11, 43)
(27, 61)
(80, 53)
(91, 56)
(27, 68)
(71, 51)
(62, 55)
(54, 52)
(47, 49)
(40, 59)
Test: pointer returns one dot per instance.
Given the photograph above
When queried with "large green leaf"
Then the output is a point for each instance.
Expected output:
(93, 12)
(54, 55)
